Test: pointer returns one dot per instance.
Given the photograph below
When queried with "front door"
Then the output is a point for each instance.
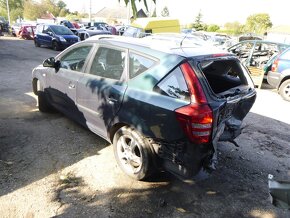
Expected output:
(63, 83)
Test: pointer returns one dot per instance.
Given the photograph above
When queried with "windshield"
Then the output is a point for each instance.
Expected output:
(61, 30)
(132, 32)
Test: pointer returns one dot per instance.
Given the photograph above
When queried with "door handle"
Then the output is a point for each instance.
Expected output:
(112, 100)
(71, 85)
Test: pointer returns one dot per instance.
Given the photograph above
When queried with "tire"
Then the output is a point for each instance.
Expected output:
(284, 90)
(55, 46)
(36, 43)
(133, 153)
(43, 104)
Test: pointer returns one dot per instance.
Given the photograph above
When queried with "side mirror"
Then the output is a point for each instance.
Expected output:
(51, 62)
(49, 33)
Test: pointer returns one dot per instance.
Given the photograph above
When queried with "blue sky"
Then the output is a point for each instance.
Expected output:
(215, 12)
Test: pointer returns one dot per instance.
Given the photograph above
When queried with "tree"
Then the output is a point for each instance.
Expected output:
(133, 5)
(63, 12)
(212, 28)
(234, 28)
(51, 6)
(197, 25)
(154, 14)
(33, 10)
(61, 5)
(165, 12)
(15, 7)
(258, 23)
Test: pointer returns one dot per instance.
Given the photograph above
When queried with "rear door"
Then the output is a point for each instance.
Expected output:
(100, 92)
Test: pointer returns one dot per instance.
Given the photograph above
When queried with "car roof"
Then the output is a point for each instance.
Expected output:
(264, 41)
(48, 24)
(148, 46)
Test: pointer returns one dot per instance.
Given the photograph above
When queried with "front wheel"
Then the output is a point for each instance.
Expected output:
(36, 43)
(284, 90)
(43, 104)
(55, 46)
(133, 153)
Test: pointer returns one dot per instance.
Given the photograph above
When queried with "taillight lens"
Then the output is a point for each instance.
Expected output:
(275, 66)
(196, 118)
(196, 121)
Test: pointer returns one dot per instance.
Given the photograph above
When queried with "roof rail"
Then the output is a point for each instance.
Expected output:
(98, 37)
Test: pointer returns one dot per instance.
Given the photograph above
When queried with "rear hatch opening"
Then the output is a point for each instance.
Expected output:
(230, 93)
(226, 77)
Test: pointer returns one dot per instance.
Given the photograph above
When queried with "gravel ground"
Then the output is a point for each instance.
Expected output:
(52, 167)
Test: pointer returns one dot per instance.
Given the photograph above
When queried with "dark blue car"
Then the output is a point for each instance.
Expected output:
(57, 37)
(162, 107)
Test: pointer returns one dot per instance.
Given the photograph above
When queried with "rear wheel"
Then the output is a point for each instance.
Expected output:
(133, 153)
(55, 46)
(284, 90)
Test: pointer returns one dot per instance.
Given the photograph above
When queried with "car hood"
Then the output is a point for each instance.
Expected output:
(69, 36)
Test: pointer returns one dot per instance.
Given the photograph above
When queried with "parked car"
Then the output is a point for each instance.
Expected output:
(120, 29)
(103, 26)
(15, 28)
(27, 32)
(178, 39)
(279, 76)
(4, 25)
(258, 56)
(92, 31)
(70, 25)
(161, 108)
(55, 36)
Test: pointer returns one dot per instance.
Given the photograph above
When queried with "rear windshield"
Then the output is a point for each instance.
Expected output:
(224, 75)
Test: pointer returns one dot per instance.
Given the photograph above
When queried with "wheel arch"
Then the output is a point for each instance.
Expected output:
(283, 80)
(34, 85)
(114, 128)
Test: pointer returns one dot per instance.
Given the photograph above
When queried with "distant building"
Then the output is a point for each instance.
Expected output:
(118, 14)
(47, 18)
(279, 34)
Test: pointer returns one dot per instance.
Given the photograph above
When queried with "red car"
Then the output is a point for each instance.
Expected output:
(26, 32)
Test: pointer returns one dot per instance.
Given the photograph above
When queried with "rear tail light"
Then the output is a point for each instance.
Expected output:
(196, 122)
(196, 118)
(275, 66)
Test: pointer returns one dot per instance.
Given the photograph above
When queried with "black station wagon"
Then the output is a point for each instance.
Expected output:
(162, 107)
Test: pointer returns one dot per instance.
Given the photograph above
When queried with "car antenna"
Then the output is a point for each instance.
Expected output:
(182, 41)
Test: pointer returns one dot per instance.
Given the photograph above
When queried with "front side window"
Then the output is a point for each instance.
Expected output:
(108, 63)
(139, 64)
(75, 58)
(39, 28)
(46, 29)
(174, 86)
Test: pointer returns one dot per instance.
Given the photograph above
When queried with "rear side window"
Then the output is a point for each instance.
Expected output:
(108, 63)
(174, 85)
(223, 75)
(139, 64)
